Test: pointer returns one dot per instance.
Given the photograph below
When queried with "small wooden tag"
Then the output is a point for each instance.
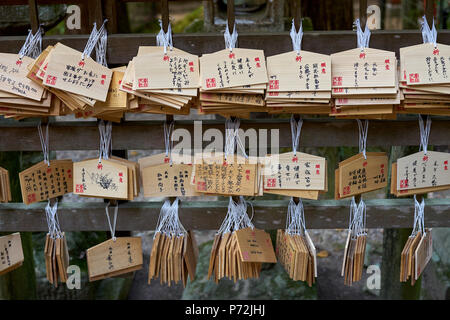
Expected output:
(70, 73)
(167, 180)
(42, 182)
(105, 179)
(11, 254)
(255, 246)
(112, 258)
(225, 69)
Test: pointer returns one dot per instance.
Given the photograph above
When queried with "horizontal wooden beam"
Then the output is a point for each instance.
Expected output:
(145, 135)
(123, 47)
(208, 215)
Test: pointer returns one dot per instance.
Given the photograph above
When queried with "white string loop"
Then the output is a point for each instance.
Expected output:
(230, 39)
(296, 129)
(363, 129)
(363, 38)
(169, 221)
(54, 228)
(296, 37)
(112, 227)
(428, 35)
(357, 219)
(93, 39)
(419, 217)
(164, 39)
(295, 221)
(424, 133)
(232, 138)
(44, 143)
(168, 142)
(105, 140)
(100, 49)
(33, 44)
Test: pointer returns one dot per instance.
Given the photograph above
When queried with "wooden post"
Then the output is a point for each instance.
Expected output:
(363, 13)
(230, 15)
(34, 15)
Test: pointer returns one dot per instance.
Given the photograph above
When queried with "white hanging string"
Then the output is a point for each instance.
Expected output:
(295, 222)
(169, 221)
(237, 217)
(112, 227)
(44, 143)
(230, 39)
(164, 39)
(100, 48)
(168, 142)
(428, 35)
(363, 38)
(105, 139)
(232, 138)
(363, 129)
(424, 133)
(296, 128)
(419, 217)
(33, 44)
(296, 37)
(93, 39)
(54, 228)
(357, 219)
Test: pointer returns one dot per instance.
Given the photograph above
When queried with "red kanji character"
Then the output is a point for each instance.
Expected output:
(31, 197)
(273, 94)
(446, 162)
(81, 63)
(364, 163)
(387, 61)
(211, 82)
(271, 182)
(337, 81)
(19, 62)
(323, 64)
(317, 166)
(346, 190)
(324, 71)
(387, 67)
(191, 69)
(298, 58)
(99, 166)
(121, 180)
(102, 82)
(166, 57)
(120, 174)
(317, 171)
(257, 59)
(51, 80)
(436, 51)
(425, 158)
(274, 84)
(414, 77)
(362, 55)
(446, 168)
(143, 82)
(166, 160)
(201, 186)
(231, 56)
(258, 65)
(191, 63)
(120, 82)
(295, 159)
(49, 170)
(103, 76)
(403, 184)
(79, 188)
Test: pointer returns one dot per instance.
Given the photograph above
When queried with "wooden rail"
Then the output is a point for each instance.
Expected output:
(123, 47)
(207, 215)
(145, 135)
